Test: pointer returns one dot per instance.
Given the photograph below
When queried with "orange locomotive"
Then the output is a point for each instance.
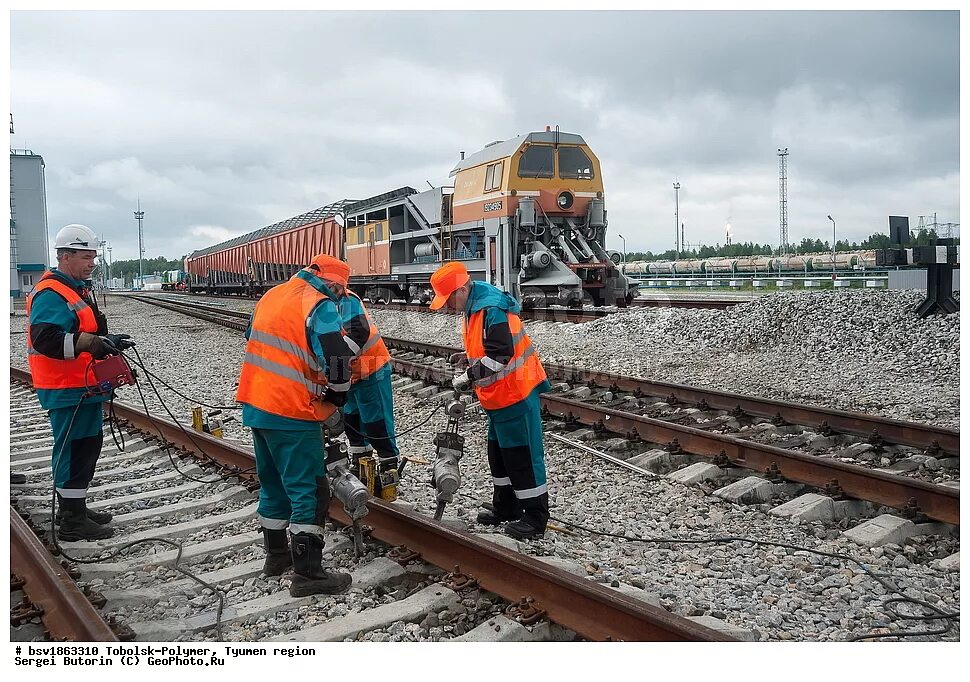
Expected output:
(526, 214)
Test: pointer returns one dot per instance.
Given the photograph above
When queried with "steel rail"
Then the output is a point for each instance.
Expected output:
(937, 502)
(66, 612)
(857, 423)
(592, 611)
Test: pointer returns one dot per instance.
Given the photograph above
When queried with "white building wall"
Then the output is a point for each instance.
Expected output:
(29, 246)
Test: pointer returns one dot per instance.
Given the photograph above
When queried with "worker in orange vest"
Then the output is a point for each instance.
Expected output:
(295, 378)
(369, 412)
(507, 378)
(66, 335)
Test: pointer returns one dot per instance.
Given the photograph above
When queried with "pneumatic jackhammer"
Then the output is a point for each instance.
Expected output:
(347, 488)
(449, 447)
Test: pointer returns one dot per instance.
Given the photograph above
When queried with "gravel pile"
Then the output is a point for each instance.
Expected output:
(851, 350)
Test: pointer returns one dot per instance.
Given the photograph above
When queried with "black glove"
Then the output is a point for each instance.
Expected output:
(98, 346)
(120, 341)
(335, 398)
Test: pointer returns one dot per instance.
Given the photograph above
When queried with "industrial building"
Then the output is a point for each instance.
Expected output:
(29, 247)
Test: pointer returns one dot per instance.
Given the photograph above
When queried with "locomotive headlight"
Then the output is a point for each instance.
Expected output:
(565, 200)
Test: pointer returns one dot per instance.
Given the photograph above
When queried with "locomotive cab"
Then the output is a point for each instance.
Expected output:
(540, 198)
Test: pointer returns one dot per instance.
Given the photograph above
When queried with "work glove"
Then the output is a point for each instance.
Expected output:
(458, 358)
(461, 382)
(335, 398)
(98, 346)
(120, 341)
(334, 424)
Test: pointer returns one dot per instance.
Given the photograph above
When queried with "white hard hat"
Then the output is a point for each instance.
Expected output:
(79, 237)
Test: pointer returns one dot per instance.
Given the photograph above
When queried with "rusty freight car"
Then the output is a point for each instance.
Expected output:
(249, 264)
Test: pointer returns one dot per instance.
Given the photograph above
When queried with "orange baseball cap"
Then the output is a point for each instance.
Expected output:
(331, 268)
(446, 280)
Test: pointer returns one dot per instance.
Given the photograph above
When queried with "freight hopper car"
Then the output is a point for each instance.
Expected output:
(527, 214)
(250, 264)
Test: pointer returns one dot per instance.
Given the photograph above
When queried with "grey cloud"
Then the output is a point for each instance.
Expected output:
(236, 120)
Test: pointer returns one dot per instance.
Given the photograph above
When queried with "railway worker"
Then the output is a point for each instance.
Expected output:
(295, 378)
(507, 377)
(66, 334)
(369, 412)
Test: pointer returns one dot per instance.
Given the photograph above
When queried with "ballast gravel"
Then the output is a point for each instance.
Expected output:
(863, 351)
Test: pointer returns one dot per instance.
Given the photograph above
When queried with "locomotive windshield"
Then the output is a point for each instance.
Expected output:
(573, 163)
(536, 162)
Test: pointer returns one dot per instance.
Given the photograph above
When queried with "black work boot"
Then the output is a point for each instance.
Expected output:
(101, 518)
(309, 576)
(488, 517)
(535, 515)
(277, 547)
(75, 524)
(503, 507)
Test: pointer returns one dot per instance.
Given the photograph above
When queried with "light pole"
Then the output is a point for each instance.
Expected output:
(139, 216)
(677, 220)
(833, 247)
(109, 262)
(624, 247)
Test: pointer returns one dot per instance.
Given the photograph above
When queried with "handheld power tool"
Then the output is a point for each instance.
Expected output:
(347, 488)
(449, 448)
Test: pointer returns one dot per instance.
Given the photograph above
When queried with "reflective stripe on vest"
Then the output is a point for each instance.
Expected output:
(52, 373)
(515, 381)
(373, 354)
(280, 374)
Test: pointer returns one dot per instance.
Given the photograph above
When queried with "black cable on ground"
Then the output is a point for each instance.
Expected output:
(150, 375)
(166, 446)
(934, 612)
(56, 457)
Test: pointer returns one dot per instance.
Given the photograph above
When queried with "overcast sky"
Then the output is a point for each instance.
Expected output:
(224, 122)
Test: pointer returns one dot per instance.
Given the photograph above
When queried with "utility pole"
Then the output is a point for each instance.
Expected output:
(833, 247)
(109, 262)
(783, 201)
(676, 220)
(139, 216)
(104, 266)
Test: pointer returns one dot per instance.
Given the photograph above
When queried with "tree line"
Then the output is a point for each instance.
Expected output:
(128, 269)
(877, 240)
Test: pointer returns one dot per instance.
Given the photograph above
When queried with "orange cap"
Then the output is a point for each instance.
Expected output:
(331, 268)
(446, 280)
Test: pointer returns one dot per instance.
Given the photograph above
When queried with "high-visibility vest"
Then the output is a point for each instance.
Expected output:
(515, 381)
(280, 374)
(53, 373)
(373, 354)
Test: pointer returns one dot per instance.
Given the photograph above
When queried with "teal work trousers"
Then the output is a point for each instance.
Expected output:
(78, 437)
(293, 488)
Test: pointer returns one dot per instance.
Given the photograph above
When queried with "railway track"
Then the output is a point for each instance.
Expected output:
(732, 431)
(560, 313)
(412, 566)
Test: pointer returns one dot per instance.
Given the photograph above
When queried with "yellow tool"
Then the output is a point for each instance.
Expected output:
(380, 484)
(212, 426)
